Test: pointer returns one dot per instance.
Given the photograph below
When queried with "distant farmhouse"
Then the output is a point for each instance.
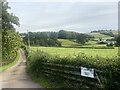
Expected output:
(106, 42)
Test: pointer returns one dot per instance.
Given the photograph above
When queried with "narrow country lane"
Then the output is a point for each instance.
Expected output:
(16, 76)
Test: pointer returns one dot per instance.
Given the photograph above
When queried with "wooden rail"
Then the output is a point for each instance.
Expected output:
(71, 73)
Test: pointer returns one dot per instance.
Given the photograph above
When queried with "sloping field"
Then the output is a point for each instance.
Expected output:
(98, 35)
(68, 43)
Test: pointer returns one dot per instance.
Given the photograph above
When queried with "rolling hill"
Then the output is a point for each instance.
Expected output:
(68, 43)
(99, 35)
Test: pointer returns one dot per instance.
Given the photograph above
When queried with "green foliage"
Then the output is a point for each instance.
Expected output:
(63, 34)
(110, 33)
(51, 38)
(110, 67)
(42, 39)
(11, 41)
(0, 47)
(118, 40)
(10, 64)
(26, 50)
(81, 38)
(78, 37)
(110, 44)
(100, 39)
(98, 35)
(8, 19)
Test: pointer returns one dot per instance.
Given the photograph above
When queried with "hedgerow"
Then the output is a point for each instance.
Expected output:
(110, 66)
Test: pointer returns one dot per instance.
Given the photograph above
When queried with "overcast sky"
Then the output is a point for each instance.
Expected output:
(71, 16)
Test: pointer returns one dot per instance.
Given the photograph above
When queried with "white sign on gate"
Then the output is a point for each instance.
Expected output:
(87, 72)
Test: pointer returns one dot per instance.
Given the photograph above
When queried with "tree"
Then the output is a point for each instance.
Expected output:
(62, 34)
(81, 38)
(72, 35)
(42, 38)
(8, 19)
(118, 40)
(11, 40)
(100, 38)
(110, 44)
(53, 35)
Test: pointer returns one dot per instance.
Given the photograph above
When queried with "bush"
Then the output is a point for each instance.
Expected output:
(25, 48)
(11, 42)
(9, 57)
(110, 44)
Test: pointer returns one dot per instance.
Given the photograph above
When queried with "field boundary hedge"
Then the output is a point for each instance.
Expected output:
(67, 70)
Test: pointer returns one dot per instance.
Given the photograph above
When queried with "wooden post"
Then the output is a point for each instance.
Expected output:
(28, 41)
(98, 80)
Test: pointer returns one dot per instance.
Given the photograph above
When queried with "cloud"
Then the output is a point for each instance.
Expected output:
(63, 0)
(52, 16)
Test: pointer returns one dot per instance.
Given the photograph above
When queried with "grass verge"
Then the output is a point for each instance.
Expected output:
(3, 68)
(43, 81)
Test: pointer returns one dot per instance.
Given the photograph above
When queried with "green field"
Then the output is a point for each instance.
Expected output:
(63, 51)
(75, 51)
(68, 56)
(98, 35)
(68, 43)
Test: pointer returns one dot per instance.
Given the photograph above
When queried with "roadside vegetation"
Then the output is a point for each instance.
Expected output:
(4, 67)
(11, 40)
(110, 67)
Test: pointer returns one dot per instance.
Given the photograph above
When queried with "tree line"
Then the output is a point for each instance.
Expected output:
(105, 32)
(51, 38)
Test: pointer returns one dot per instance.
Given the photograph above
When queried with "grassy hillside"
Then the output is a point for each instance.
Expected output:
(98, 35)
(93, 44)
(68, 43)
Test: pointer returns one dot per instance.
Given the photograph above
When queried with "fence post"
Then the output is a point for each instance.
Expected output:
(99, 80)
